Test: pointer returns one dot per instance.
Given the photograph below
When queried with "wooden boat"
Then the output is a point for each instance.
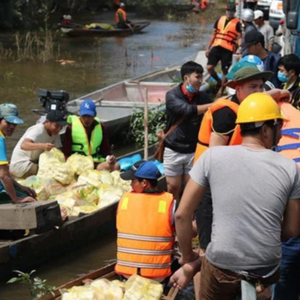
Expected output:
(107, 272)
(116, 103)
(75, 31)
(30, 251)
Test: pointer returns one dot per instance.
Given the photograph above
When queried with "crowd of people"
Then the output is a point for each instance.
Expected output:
(224, 178)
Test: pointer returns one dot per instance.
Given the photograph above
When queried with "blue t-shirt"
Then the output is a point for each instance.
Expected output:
(3, 156)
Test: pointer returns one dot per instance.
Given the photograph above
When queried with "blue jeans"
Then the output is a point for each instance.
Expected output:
(288, 287)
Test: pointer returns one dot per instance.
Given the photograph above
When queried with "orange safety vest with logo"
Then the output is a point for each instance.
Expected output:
(206, 127)
(145, 234)
(289, 144)
(226, 36)
(120, 13)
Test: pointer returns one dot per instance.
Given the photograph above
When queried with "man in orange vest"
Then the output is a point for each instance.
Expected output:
(145, 225)
(121, 18)
(222, 45)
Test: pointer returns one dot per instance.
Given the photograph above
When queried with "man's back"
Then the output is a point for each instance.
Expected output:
(249, 190)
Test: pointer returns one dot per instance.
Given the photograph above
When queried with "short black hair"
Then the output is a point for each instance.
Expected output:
(250, 129)
(290, 62)
(191, 67)
(153, 182)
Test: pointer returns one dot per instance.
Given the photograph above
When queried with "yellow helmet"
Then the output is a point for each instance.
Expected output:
(258, 107)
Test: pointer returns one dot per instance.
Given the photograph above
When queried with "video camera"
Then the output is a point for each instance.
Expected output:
(53, 100)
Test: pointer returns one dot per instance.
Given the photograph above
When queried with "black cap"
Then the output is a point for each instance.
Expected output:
(129, 175)
(230, 6)
(253, 37)
(58, 117)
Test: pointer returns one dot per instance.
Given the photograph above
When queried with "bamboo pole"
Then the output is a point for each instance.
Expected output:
(146, 126)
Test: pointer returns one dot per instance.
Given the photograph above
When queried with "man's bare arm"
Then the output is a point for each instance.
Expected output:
(291, 220)
(29, 145)
(217, 140)
(192, 196)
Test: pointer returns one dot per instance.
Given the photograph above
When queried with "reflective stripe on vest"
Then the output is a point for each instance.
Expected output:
(146, 240)
(226, 35)
(80, 142)
(289, 144)
(117, 18)
(206, 127)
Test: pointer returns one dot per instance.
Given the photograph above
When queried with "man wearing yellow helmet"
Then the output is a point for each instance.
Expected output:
(253, 188)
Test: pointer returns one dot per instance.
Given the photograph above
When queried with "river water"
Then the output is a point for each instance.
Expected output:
(98, 63)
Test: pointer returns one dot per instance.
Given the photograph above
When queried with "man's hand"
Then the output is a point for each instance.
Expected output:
(207, 52)
(111, 159)
(28, 191)
(48, 146)
(25, 200)
(280, 95)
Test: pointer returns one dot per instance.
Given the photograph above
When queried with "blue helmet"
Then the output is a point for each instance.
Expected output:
(254, 60)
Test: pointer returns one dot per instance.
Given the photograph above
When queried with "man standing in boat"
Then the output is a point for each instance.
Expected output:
(256, 205)
(121, 18)
(145, 224)
(10, 190)
(86, 135)
(185, 106)
(222, 44)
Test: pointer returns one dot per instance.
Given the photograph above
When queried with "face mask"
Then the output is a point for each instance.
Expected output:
(191, 89)
(282, 77)
(230, 13)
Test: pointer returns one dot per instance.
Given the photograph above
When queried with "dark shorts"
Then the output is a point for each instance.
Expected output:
(217, 54)
(203, 217)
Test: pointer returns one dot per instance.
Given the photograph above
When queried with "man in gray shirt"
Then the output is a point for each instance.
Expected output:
(265, 29)
(256, 204)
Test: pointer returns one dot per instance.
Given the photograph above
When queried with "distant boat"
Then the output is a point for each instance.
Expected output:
(80, 31)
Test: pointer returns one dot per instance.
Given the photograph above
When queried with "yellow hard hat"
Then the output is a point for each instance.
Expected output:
(258, 107)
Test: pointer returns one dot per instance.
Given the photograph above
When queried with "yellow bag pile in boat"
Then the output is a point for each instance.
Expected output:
(80, 163)
(52, 165)
(124, 184)
(105, 289)
(79, 293)
(36, 183)
(53, 187)
(109, 194)
(103, 26)
(140, 288)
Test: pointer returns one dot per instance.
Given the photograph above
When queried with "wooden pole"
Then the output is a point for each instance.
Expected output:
(146, 126)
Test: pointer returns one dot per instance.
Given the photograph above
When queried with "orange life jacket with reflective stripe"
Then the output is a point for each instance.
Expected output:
(226, 36)
(206, 127)
(289, 144)
(145, 234)
(122, 11)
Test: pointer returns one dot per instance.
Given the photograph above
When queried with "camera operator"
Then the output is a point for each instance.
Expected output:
(37, 139)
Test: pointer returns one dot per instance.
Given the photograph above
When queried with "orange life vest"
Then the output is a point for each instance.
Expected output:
(226, 36)
(123, 12)
(289, 144)
(145, 234)
(206, 127)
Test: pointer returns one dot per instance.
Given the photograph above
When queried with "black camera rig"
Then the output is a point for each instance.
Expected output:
(53, 100)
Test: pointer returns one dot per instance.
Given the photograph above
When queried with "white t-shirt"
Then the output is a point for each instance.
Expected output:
(22, 160)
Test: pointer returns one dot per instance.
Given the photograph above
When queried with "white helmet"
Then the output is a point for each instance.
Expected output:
(122, 4)
(247, 15)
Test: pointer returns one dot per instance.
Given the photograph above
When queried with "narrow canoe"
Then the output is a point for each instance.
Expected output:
(85, 32)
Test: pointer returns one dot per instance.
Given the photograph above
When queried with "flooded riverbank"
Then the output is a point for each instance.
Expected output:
(98, 63)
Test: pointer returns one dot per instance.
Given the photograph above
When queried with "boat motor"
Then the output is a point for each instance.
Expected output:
(53, 100)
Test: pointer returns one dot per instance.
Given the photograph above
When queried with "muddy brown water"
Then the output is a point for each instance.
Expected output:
(98, 63)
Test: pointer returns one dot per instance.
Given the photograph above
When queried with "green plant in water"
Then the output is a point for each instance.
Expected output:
(36, 285)
(156, 122)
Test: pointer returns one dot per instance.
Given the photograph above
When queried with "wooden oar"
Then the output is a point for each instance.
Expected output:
(172, 293)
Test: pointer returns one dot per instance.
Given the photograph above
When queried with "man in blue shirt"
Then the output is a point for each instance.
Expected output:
(10, 190)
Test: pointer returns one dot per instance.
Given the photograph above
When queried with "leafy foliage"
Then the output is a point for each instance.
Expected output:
(156, 122)
(37, 286)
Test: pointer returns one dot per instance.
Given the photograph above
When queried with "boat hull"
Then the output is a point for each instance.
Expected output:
(85, 32)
